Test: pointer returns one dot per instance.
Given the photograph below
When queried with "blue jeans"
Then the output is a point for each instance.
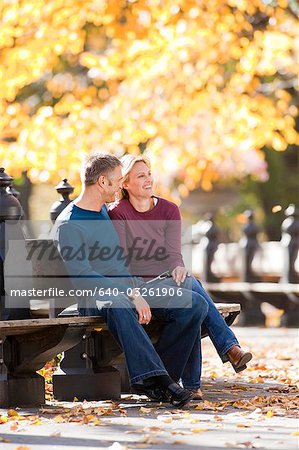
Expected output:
(178, 337)
(183, 321)
(219, 332)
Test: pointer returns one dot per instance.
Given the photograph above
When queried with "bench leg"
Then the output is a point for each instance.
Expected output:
(21, 355)
(124, 376)
(104, 384)
(85, 371)
(25, 390)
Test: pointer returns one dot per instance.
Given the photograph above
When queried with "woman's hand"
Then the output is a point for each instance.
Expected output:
(142, 308)
(179, 274)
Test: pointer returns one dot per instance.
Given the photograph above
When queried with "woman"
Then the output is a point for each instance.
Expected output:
(143, 218)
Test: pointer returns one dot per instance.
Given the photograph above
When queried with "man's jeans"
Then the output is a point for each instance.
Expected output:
(220, 334)
(173, 349)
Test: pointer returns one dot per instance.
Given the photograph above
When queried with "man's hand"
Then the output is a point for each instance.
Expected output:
(142, 308)
(179, 274)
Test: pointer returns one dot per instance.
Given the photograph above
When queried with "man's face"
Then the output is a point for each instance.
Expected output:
(112, 185)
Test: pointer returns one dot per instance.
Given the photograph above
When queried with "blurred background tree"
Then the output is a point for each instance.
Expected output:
(209, 90)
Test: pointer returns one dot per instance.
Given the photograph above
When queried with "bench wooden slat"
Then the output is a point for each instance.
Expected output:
(26, 326)
(227, 308)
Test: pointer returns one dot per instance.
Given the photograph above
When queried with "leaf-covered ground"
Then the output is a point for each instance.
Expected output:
(256, 409)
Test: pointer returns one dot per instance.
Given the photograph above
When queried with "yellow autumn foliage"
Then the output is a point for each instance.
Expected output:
(201, 86)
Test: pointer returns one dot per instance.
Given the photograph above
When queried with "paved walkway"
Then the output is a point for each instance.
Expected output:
(257, 409)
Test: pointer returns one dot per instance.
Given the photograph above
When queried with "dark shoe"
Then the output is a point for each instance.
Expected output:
(152, 391)
(177, 395)
(238, 358)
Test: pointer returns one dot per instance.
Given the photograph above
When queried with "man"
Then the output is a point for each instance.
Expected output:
(82, 232)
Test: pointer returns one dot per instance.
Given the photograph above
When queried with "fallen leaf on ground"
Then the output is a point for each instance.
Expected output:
(36, 422)
(219, 418)
(246, 444)
(147, 439)
(166, 419)
(145, 410)
(239, 387)
(55, 410)
(14, 426)
(155, 429)
(184, 433)
(199, 430)
(59, 419)
(12, 413)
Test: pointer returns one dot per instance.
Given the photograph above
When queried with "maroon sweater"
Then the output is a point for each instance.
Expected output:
(151, 239)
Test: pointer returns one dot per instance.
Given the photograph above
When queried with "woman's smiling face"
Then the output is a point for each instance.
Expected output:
(140, 181)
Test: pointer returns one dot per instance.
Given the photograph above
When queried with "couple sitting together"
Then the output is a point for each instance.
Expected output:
(142, 225)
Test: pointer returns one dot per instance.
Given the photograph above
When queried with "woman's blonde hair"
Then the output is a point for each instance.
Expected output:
(128, 162)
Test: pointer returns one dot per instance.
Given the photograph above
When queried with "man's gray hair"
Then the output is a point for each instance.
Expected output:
(97, 164)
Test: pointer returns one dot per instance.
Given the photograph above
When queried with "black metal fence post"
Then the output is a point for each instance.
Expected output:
(249, 245)
(210, 245)
(10, 210)
(290, 244)
(65, 189)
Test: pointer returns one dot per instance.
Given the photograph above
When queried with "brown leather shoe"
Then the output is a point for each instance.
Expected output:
(238, 358)
(197, 394)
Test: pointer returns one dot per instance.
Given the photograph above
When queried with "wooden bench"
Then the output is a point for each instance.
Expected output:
(86, 371)
(25, 346)
(92, 367)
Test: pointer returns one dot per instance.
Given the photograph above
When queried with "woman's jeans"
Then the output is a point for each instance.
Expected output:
(179, 337)
(220, 334)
